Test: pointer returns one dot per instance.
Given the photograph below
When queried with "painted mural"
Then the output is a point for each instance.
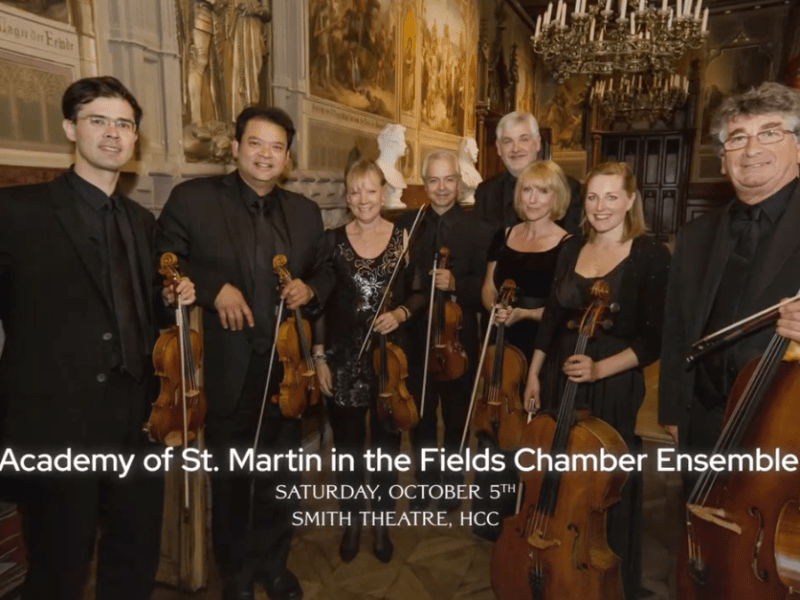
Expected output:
(409, 62)
(52, 9)
(444, 70)
(352, 53)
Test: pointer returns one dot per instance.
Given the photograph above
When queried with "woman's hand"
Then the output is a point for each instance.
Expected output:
(581, 369)
(531, 397)
(324, 376)
(507, 316)
(389, 321)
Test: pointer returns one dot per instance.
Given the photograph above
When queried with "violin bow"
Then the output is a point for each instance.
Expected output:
(391, 281)
(477, 377)
(428, 335)
(736, 330)
(264, 405)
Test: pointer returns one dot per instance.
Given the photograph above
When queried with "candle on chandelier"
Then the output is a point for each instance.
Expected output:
(547, 14)
(633, 23)
(538, 27)
(669, 19)
(687, 8)
(623, 8)
(591, 31)
(641, 5)
(564, 16)
(697, 10)
(663, 4)
(704, 26)
(608, 5)
(679, 9)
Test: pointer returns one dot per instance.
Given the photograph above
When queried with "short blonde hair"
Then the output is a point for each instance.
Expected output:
(550, 175)
(361, 168)
(634, 219)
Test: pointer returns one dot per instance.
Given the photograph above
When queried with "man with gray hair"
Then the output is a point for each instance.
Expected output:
(734, 261)
(467, 240)
(518, 144)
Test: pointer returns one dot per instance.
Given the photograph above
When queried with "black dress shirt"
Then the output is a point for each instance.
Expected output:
(94, 202)
(749, 230)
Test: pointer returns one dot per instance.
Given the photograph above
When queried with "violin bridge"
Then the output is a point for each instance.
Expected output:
(537, 541)
(714, 515)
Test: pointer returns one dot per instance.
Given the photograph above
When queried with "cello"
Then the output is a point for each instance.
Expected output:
(555, 547)
(499, 412)
(300, 385)
(743, 528)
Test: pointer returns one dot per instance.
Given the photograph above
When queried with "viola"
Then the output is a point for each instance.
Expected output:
(300, 385)
(743, 528)
(395, 407)
(499, 412)
(555, 546)
(448, 360)
(179, 412)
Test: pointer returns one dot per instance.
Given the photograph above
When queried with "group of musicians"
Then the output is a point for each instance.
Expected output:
(81, 302)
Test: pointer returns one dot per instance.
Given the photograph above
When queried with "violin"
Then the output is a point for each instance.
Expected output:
(396, 408)
(499, 412)
(555, 546)
(742, 527)
(300, 385)
(448, 360)
(179, 412)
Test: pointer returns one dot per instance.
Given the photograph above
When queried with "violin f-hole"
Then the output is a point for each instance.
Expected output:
(761, 574)
(579, 566)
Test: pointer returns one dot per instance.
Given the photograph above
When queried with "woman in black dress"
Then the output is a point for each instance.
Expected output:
(525, 253)
(365, 252)
(636, 267)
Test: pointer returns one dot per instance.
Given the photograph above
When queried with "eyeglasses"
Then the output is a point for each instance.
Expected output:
(765, 138)
(101, 122)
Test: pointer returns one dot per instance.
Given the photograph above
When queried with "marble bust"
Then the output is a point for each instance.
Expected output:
(392, 146)
(470, 178)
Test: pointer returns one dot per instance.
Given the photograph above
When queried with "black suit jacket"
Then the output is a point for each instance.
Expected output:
(701, 250)
(206, 224)
(467, 238)
(494, 203)
(58, 320)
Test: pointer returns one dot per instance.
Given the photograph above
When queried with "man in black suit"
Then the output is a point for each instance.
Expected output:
(225, 231)
(734, 261)
(467, 240)
(77, 293)
(518, 143)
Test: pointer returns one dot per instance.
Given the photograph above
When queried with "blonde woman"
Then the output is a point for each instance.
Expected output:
(635, 267)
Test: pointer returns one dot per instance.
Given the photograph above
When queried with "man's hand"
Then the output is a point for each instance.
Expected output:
(672, 430)
(185, 289)
(445, 280)
(232, 308)
(789, 321)
(297, 294)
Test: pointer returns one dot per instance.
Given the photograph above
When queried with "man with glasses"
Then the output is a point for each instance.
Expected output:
(734, 261)
(78, 292)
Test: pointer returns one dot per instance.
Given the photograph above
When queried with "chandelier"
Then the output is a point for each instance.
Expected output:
(644, 97)
(598, 41)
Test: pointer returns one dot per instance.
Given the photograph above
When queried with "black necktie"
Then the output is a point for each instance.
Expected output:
(744, 227)
(262, 277)
(124, 293)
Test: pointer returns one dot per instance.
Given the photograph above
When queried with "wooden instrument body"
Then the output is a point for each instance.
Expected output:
(763, 505)
(573, 556)
(448, 359)
(499, 411)
(300, 385)
(395, 405)
(165, 423)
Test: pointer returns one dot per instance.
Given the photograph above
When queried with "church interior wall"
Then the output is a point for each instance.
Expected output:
(342, 69)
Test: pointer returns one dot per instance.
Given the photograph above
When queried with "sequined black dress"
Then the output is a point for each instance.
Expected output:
(359, 287)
